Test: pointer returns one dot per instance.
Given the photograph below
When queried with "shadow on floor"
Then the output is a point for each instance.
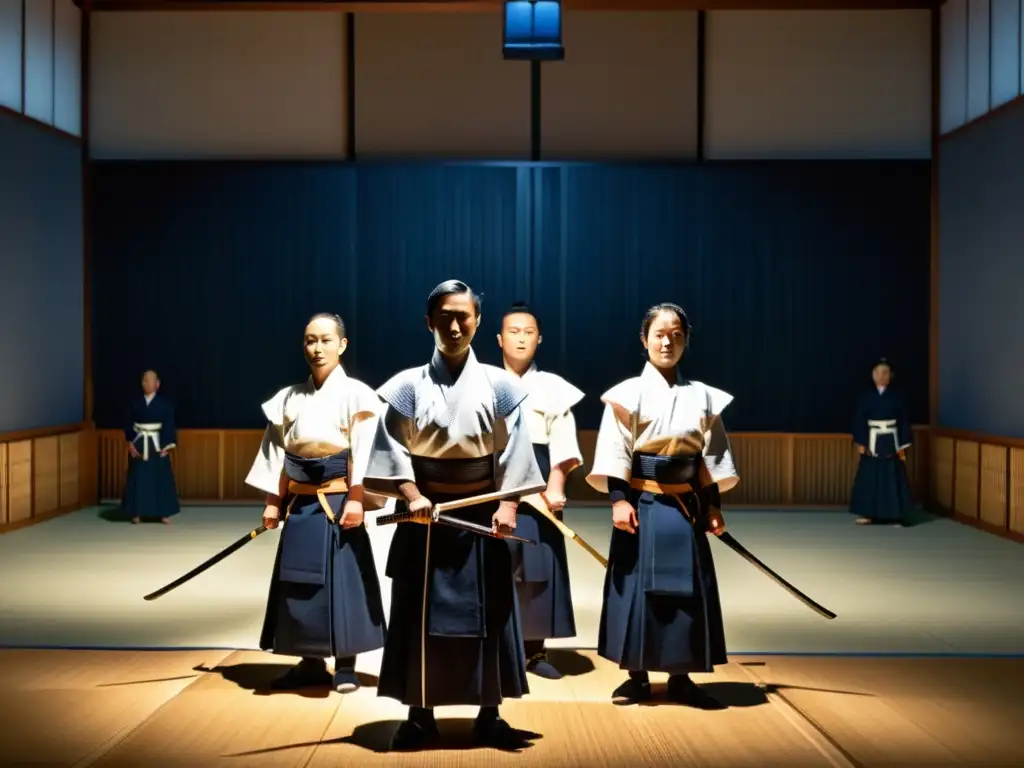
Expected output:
(258, 677)
(456, 734)
(569, 662)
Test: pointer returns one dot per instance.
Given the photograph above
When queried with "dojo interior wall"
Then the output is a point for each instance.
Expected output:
(47, 451)
(981, 244)
(226, 208)
(41, 344)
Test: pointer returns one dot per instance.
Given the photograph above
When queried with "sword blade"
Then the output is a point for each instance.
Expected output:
(229, 550)
(727, 539)
(537, 502)
(482, 530)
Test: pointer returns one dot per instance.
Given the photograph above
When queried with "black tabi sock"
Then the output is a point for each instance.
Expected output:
(345, 664)
(533, 648)
(639, 677)
(487, 715)
(421, 716)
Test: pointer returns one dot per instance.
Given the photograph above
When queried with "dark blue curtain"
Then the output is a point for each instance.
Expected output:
(796, 276)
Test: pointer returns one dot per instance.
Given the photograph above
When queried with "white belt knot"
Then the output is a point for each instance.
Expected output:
(878, 427)
(147, 433)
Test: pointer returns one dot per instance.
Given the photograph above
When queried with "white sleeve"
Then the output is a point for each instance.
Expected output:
(613, 454)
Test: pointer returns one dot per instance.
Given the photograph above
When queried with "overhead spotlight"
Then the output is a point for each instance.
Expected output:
(533, 30)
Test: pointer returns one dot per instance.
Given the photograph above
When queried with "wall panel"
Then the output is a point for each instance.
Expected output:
(981, 350)
(627, 88)
(10, 54)
(40, 277)
(39, 58)
(818, 84)
(46, 474)
(435, 85)
(67, 77)
(978, 58)
(1005, 50)
(953, 65)
(217, 84)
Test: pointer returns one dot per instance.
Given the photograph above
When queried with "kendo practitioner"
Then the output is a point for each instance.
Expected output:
(663, 456)
(325, 598)
(149, 488)
(452, 429)
(881, 432)
(542, 571)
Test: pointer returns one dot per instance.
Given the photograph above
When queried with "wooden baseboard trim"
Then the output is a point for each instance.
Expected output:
(8, 527)
(981, 525)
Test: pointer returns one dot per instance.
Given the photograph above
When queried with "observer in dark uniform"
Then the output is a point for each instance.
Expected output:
(149, 488)
(881, 431)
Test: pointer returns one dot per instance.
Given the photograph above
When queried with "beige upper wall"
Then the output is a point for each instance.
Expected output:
(818, 84)
(40, 61)
(272, 84)
(217, 84)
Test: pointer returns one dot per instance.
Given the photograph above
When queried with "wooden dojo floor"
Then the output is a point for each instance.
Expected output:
(924, 667)
(162, 708)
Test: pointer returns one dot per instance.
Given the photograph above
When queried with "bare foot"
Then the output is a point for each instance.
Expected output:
(165, 520)
(135, 521)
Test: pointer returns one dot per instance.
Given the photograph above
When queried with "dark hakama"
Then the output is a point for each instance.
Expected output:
(542, 570)
(149, 487)
(324, 597)
(881, 489)
(661, 610)
(454, 635)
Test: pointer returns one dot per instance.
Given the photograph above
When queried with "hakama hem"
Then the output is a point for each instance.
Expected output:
(881, 490)
(149, 489)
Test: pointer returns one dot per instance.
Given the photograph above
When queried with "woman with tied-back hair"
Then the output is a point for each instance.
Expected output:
(663, 457)
(325, 599)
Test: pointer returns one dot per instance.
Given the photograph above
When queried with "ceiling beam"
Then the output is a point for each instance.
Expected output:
(470, 6)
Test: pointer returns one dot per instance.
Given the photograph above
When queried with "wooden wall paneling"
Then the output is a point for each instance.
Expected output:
(943, 452)
(761, 462)
(1016, 490)
(776, 469)
(993, 500)
(241, 446)
(3, 485)
(967, 473)
(46, 475)
(197, 466)
(70, 470)
(19, 481)
(824, 469)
